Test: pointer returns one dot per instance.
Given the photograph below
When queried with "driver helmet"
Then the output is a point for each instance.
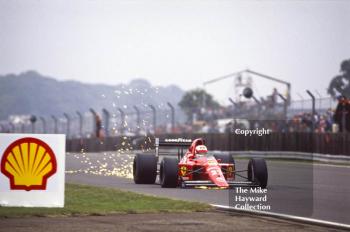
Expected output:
(201, 150)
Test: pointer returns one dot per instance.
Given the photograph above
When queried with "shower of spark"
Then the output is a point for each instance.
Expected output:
(118, 163)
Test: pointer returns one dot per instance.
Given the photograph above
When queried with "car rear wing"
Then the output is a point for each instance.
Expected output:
(179, 143)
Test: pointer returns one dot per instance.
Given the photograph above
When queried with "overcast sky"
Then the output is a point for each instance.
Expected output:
(177, 42)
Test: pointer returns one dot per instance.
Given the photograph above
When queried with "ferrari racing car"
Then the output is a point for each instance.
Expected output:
(195, 167)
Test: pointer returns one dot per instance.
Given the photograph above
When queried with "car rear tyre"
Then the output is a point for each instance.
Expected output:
(169, 173)
(257, 172)
(145, 169)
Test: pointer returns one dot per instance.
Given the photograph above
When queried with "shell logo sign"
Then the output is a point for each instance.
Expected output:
(32, 170)
(28, 163)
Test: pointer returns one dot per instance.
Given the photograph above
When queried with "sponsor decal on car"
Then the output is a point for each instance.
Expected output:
(183, 170)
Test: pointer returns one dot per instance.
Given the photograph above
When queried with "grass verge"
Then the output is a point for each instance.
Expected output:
(90, 200)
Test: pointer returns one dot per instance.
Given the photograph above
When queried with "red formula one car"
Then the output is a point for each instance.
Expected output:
(195, 167)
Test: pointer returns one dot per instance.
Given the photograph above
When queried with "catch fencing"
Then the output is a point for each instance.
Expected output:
(322, 143)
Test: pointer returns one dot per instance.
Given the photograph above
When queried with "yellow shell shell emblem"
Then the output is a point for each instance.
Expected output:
(28, 163)
(183, 170)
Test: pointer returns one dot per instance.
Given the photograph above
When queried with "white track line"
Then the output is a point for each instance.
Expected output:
(286, 216)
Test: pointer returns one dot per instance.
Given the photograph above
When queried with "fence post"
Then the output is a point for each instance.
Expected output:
(96, 122)
(172, 116)
(138, 121)
(94, 114)
(68, 123)
(320, 100)
(13, 128)
(22, 127)
(43, 121)
(80, 124)
(55, 123)
(122, 125)
(32, 120)
(154, 117)
(285, 104)
(302, 101)
(106, 116)
(313, 109)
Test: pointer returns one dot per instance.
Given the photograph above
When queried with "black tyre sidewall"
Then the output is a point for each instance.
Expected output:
(145, 169)
(257, 172)
(169, 173)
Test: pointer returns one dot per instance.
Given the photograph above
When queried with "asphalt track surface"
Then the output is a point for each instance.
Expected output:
(297, 188)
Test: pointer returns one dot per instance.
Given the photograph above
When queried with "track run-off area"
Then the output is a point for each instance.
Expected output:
(306, 189)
